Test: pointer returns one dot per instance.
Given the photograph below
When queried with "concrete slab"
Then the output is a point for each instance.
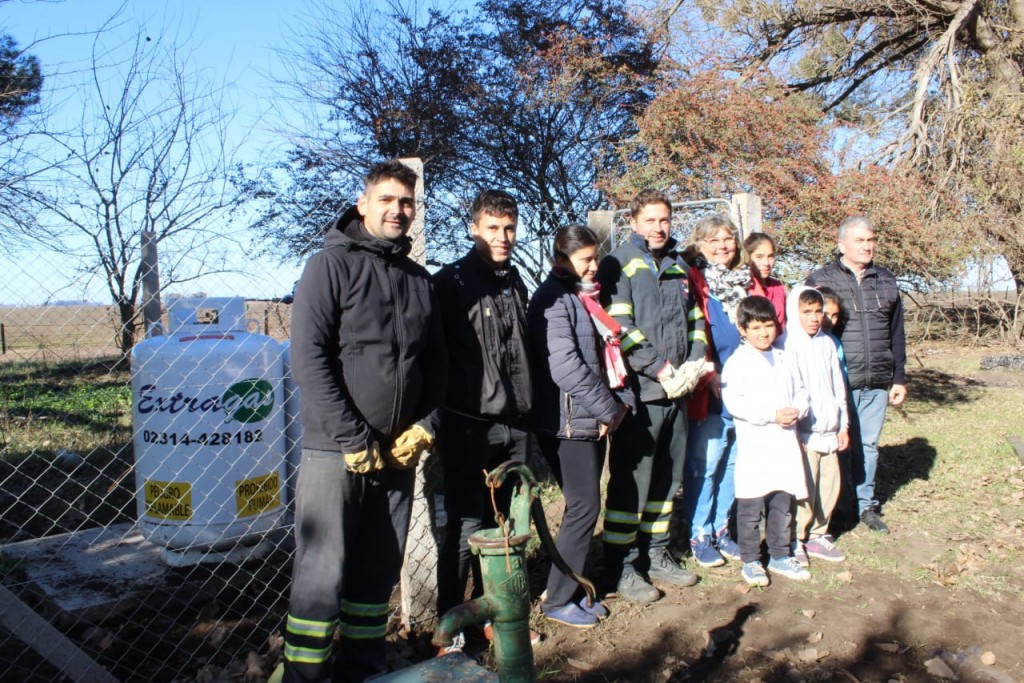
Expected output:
(86, 574)
(1017, 443)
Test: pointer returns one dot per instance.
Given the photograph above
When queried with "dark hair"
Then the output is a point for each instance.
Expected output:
(828, 294)
(392, 169)
(646, 198)
(496, 203)
(755, 239)
(811, 296)
(755, 309)
(572, 238)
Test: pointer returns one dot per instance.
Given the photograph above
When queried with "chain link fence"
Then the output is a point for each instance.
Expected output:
(145, 531)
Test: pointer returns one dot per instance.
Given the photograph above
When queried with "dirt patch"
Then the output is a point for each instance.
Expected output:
(848, 623)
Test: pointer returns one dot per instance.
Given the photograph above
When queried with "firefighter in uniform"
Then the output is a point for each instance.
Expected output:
(644, 287)
(369, 358)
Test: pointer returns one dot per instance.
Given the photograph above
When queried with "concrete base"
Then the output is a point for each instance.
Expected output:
(84, 574)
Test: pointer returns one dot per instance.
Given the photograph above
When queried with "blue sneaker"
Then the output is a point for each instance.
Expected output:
(753, 573)
(788, 567)
(571, 614)
(727, 547)
(595, 608)
(704, 553)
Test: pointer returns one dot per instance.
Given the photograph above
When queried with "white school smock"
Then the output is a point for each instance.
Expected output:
(755, 384)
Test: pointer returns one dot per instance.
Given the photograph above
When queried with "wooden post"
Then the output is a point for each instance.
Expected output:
(50, 643)
(745, 210)
(416, 232)
(602, 223)
(150, 286)
(419, 571)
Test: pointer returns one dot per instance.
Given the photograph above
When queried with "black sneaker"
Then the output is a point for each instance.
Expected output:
(871, 520)
(665, 569)
(634, 588)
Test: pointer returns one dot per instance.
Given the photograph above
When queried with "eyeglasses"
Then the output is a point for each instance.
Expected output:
(720, 241)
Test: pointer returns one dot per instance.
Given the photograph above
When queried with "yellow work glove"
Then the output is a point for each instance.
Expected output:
(365, 461)
(408, 447)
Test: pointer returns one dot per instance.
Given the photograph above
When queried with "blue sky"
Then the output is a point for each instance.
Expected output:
(231, 43)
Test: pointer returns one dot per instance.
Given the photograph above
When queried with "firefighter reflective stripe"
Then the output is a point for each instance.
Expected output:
(674, 269)
(656, 517)
(363, 609)
(620, 527)
(693, 334)
(617, 538)
(363, 621)
(357, 632)
(620, 308)
(633, 265)
(632, 338)
(658, 507)
(621, 517)
(308, 627)
(308, 641)
(306, 655)
(657, 527)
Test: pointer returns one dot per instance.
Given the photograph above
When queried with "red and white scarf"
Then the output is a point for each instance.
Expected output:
(609, 332)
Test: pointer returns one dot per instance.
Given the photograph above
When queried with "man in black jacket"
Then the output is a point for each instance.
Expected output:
(368, 355)
(483, 307)
(871, 330)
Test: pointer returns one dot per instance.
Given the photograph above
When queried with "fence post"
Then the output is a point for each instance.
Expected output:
(745, 210)
(419, 571)
(150, 285)
(601, 222)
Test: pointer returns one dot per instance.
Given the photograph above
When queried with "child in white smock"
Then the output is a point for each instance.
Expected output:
(766, 396)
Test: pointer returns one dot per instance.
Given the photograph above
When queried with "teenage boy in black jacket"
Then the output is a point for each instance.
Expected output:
(483, 308)
(368, 355)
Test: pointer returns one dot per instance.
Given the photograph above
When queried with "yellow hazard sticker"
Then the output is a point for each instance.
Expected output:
(168, 499)
(258, 494)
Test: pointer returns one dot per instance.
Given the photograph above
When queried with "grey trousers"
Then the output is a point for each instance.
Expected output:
(350, 533)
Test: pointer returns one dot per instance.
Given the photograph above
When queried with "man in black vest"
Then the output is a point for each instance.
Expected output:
(871, 330)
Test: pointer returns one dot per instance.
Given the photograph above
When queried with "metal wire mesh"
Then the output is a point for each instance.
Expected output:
(92, 464)
(206, 469)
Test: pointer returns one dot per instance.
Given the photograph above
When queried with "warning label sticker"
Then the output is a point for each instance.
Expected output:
(258, 494)
(168, 500)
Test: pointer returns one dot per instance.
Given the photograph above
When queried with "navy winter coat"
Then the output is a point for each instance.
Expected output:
(571, 398)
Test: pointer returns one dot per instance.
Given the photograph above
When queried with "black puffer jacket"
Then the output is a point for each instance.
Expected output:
(367, 346)
(484, 316)
(570, 399)
(871, 326)
(661, 321)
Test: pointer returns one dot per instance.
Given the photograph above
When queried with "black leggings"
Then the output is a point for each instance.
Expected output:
(579, 475)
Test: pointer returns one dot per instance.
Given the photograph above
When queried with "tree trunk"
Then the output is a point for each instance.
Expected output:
(126, 332)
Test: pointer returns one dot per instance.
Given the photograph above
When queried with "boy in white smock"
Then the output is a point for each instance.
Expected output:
(825, 430)
(766, 396)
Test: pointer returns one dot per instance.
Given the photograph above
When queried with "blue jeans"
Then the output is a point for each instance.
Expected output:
(708, 486)
(869, 410)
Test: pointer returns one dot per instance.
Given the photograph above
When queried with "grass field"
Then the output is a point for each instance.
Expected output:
(952, 489)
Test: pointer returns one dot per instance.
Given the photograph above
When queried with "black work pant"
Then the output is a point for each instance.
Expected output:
(777, 527)
(468, 447)
(646, 467)
(350, 532)
(578, 470)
